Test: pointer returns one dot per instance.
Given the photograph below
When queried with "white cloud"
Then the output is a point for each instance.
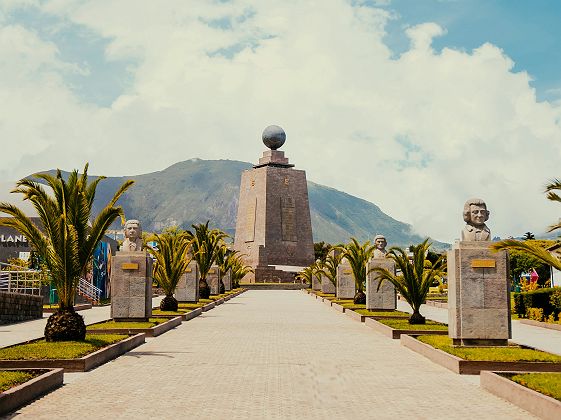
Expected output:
(416, 135)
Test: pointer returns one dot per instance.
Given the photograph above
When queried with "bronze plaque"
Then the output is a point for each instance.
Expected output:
(129, 266)
(348, 271)
(211, 271)
(188, 270)
(483, 263)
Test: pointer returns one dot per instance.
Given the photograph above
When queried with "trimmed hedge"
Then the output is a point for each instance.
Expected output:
(539, 298)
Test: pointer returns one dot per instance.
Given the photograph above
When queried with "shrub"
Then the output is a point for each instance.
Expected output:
(540, 298)
(535, 314)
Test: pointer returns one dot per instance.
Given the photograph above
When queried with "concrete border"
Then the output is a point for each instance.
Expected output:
(150, 332)
(437, 304)
(355, 315)
(338, 307)
(532, 401)
(184, 317)
(208, 306)
(219, 301)
(541, 324)
(473, 367)
(15, 397)
(82, 364)
(395, 333)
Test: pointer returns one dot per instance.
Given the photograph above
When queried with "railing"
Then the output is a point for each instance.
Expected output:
(89, 291)
(28, 282)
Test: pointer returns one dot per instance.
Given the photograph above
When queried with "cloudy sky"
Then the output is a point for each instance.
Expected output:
(414, 105)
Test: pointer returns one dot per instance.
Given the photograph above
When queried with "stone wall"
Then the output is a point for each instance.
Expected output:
(16, 307)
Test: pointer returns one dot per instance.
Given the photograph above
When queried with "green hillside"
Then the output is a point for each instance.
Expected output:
(196, 190)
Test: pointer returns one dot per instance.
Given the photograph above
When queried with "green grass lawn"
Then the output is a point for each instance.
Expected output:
(205, 301)
(403, 324)
(59, 350)
(171, 313)
(342, 301)
(190, 305)
(354, 305)
(152, 322)
(9, 379)
(546, 383)
(325, 295)
(382, 313)
(512, 353)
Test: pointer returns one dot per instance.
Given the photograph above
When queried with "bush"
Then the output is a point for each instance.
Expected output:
(535, 314)
(540, 298)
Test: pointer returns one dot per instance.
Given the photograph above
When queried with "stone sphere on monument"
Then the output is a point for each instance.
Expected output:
(273, 137)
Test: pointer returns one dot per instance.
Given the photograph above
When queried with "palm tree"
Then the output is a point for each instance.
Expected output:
(225, 260)
(531, 247)
(239, 270)
(171, 262)
(528, 236)
(329, 267)
(306, 274)
(358, 256)
(416, 277)
(67, 241)
(206, 244)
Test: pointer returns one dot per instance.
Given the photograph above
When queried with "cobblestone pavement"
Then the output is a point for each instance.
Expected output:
(271, 355)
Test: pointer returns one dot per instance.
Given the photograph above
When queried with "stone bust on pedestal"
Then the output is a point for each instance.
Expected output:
(380, 243)
(133, 236)
(475, 216)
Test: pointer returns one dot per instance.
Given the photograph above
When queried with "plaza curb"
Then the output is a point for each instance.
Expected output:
(532, 401)
(20, 395)
(150, 332)
(193, 313)
(549, 325)
(395, 333)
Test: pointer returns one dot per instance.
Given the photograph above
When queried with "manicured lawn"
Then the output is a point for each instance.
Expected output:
(382, 313)
(9, 379)
(511, 353)
(190, 305)
(59, 350)
(152, 322)
(343, 301)
(325, 295)
(403, 324)
(546, 383)
(205, 301)
(171, 313)
(354, 305)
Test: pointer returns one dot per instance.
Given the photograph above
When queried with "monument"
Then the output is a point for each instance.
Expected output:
(187, 289)
(273, 228)
(213, 280)
(131, 278)
(346, 288)
(478, 284)
(385, 297)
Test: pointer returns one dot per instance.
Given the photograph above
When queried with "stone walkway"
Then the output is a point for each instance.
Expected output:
(271, 355)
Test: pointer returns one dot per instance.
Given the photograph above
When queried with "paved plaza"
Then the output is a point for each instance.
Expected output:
(271, 355)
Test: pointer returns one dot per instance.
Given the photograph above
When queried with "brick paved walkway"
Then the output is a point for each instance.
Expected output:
(274, 355)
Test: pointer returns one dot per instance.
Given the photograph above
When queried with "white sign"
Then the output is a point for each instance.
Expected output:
(24, 256)
(13, 238)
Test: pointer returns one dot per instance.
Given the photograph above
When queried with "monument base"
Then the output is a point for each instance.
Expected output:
(471, 342)
(187, 289)
(384, 297)
(269, 274)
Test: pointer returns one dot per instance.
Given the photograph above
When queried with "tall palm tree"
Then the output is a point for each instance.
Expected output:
(67, 240)
(329, 267)
(172, 260)
(417, 275)
(225, 260)
(358, 256)
(206, 244)
(306, 274)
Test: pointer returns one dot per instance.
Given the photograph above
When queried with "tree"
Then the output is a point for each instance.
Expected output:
(416, 277)
(67, 241)
(329, 267)
(358, 256)
(531, 247)
(239, 270)
(306, 274)
(225, 260)
(320, 250)
(206, 244)
(528, 236)
(171, 262)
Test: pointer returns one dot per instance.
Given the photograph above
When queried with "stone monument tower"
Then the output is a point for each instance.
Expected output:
(273, 228)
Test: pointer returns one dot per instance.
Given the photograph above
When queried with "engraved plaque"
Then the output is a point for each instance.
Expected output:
(483, 263)
(250, 221)
(288, 219)
(129, 266)
(188, 270)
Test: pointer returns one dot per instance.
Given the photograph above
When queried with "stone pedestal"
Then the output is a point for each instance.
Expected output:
(386, 297)
(327, 286)
(187, 289)
(227, 280)
(131, 286)
(316, 283)
(345, 282)
(478, 295)
(213, 280)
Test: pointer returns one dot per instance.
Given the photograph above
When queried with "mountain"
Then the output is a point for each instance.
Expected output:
(196, 190)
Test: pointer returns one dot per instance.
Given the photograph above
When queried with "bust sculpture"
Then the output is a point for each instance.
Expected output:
(133, 236)
(475, 216)
(380, 243)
